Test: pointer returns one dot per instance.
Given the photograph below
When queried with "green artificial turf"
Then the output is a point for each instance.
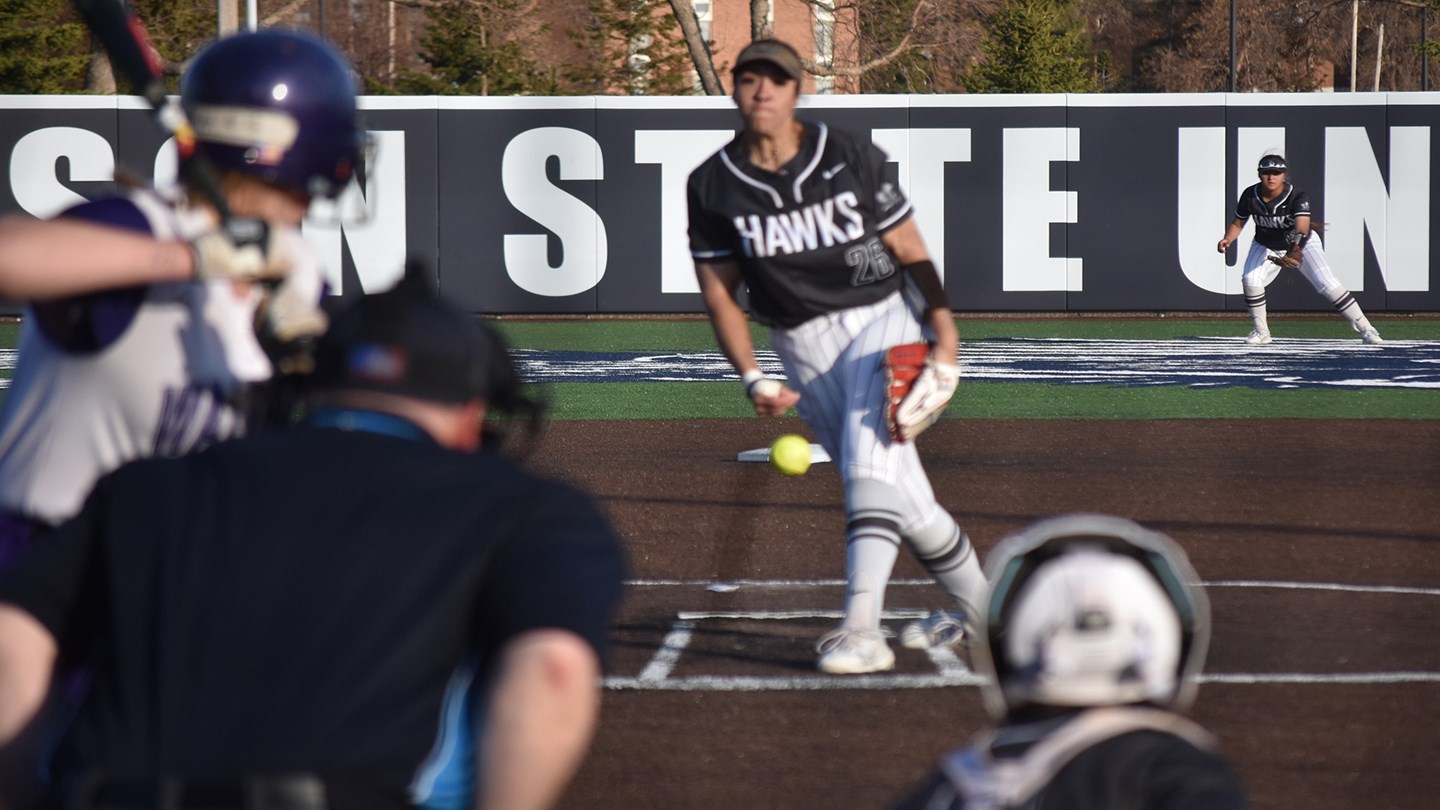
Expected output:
(702, 400)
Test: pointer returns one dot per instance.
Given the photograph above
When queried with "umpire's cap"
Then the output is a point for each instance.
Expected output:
(410, 341)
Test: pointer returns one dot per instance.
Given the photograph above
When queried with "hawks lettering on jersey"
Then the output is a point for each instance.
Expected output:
(825, 224)
(1274, 220)
(808, 236)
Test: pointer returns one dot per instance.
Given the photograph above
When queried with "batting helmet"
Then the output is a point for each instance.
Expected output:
(277, 105)
(1091, 610)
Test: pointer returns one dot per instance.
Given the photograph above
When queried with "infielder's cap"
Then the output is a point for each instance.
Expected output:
(410, 341)
(1272, 163)
(773, 51)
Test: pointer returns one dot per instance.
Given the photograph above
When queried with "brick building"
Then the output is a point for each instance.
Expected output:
(823, 37)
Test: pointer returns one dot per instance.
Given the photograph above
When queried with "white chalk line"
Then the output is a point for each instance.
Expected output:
(1360, 678)
(821, 682)
(691, 615)
(831, 583)
(950, 670)
(668, 655)
(792, 683)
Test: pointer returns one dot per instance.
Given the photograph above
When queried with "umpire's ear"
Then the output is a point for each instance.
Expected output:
(469, 426)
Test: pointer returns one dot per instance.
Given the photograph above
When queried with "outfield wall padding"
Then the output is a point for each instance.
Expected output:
(1065, 203)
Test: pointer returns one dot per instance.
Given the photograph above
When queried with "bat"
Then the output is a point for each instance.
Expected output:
(127, 43)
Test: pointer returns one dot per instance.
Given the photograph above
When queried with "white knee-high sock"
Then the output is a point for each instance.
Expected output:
(1255, 300)
(1349, 309)
(873, 545)
(947, 554)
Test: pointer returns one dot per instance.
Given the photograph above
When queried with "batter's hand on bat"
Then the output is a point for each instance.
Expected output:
(245, 250)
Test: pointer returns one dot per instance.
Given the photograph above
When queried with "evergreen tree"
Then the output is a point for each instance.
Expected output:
(177, 29)
(883, 23)
(636, 50)
(1035, 46)
(43, 48)
(471, 52)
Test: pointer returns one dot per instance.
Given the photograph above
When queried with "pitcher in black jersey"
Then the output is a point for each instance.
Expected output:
(1284, 239)
(805, 217)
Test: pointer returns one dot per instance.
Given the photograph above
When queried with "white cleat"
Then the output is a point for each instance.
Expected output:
(942, 628)
(1371, 337)
(854, 651)
(1258, 337)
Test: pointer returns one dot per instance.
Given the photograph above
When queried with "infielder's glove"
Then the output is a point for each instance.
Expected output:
(1291, 259)
(918, 389)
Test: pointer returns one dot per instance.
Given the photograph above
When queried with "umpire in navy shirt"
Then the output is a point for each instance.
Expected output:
(362, 611)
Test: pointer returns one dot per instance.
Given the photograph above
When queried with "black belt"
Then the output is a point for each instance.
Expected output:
(295, 792)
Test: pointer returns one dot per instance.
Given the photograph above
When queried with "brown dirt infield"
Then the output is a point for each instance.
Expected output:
(1353, 502)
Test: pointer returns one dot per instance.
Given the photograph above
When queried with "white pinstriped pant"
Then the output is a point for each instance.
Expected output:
(1259, 271)
(836, 362)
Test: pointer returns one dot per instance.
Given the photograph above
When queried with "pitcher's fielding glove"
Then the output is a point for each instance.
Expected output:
(918, 388)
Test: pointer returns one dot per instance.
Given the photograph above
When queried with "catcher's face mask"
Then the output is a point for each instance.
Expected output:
(1089, 610)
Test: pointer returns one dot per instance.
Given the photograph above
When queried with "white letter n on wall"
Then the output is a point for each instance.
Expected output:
(1357, 201)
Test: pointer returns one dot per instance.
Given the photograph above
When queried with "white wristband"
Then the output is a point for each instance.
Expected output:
(749, 377)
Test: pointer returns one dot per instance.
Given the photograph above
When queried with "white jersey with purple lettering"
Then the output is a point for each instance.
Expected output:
(105, 378)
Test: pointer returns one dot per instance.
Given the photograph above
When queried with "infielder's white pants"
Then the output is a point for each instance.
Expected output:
(1260, 271)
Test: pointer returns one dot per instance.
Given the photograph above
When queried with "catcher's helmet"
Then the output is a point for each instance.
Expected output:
(1091, 610)
(277, 105)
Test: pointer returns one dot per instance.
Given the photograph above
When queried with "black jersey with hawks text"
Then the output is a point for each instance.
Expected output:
(807, 237)
(1274, 220)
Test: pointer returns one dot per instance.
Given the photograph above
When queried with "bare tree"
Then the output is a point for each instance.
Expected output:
(760, 20)
(1293, 45)
(699, 51)
(943, 32)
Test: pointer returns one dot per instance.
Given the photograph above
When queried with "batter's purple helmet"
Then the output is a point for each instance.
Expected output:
(279, 106)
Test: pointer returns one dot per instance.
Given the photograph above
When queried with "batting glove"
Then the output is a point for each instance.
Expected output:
(291, 318)
(243, 250)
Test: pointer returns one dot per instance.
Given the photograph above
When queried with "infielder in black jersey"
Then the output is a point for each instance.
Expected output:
(368, 610)
(1093, 633)
(803, 215)
(1285, 240)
